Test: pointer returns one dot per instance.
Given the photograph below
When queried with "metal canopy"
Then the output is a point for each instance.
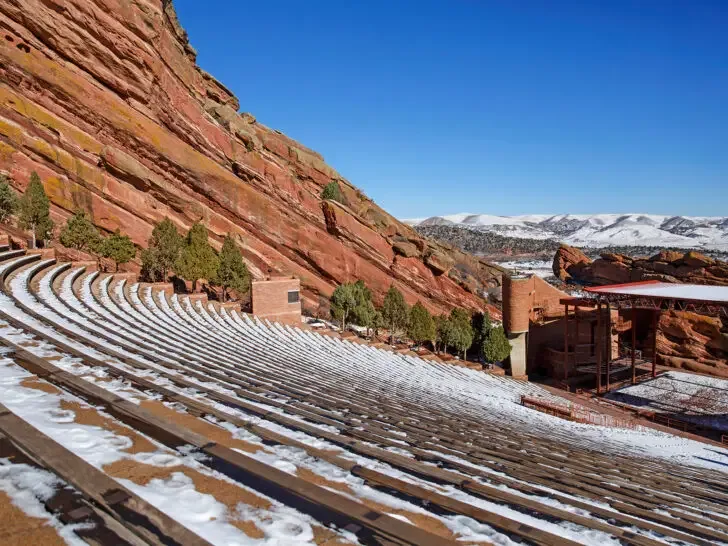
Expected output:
(655, 295)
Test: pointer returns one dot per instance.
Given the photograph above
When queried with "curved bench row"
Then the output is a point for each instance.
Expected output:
(382, 406)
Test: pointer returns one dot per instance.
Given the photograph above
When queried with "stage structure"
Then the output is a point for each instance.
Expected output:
(629, 299)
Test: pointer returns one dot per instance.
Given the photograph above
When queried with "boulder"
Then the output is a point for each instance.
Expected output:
(406, 249)
(695, 259)
(667, 256)
(438, 262)
(568, 262)
(612, 257)
(609, 272)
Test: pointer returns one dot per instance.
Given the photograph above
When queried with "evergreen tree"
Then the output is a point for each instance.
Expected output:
(80, 233)
(363, 313)
(8, 200)
(394, 312)
(197, 259)
(160, 257)
(232, 273)
(118, 248)
(35, 210)
(332, 190)
(441, 333)
(421, 327)
(460, 331)
(343, 303)
(493, 343)
(377, 322)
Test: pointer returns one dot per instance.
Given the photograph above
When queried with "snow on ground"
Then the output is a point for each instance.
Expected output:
(28, 488)
(272, 348)
(695, 398)
(540, 268)
(599, 230)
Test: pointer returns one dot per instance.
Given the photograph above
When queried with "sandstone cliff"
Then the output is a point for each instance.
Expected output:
(103, 98)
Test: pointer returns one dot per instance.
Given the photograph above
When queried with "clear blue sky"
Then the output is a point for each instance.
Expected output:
(500, 107)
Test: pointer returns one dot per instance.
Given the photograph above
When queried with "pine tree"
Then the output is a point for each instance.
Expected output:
(232, 273)
(8, 200)
(160, 257)
(491, 340)
(421, 327)
(394, 312)
(343, 302)
(460, 330)
(363, 312)
(377, 322)
(441, 325)
(80, 233)
(197, 259)
(118, 248)
(35, 210)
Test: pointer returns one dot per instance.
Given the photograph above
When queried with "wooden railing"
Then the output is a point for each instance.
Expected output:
(573, 412)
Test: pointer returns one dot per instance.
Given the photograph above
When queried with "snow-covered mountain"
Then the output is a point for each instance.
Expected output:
(597, 230)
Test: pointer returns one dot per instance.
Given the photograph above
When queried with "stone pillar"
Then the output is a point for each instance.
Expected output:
(518, 354)
(516, 320)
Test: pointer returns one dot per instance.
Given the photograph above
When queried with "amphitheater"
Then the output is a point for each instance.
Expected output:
(132, 416)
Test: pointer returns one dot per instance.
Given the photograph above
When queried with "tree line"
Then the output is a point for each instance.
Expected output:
(189, 257)
(192, 258)
(351, 303)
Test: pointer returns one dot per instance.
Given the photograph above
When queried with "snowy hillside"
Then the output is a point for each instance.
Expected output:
(596, 230)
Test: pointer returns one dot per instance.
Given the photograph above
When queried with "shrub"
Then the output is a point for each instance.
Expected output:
(332, 191)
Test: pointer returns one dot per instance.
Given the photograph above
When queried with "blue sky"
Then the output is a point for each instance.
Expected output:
(499, 107)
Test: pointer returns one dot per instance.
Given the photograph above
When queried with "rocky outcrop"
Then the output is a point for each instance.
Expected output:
(104, 100)
(569, 262)
(572, 265)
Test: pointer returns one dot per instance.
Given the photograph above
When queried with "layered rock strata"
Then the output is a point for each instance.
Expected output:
(104, 100)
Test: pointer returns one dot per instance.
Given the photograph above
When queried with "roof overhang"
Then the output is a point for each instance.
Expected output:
(663, 290)
(699, 298)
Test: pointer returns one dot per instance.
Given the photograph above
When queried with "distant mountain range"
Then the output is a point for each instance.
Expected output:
(597, 230)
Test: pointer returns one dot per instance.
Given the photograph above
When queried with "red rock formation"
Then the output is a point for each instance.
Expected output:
(571, 264)
(694, 342)
(104, 100)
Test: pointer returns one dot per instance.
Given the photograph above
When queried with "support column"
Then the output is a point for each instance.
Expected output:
(566, 340)
(634, 342)
(518, 344)
(576, 335)
(591, 338)
(655, 326)
(609, 345)
(599, 347)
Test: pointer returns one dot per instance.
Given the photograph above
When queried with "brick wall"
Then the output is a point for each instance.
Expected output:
(270, 300)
